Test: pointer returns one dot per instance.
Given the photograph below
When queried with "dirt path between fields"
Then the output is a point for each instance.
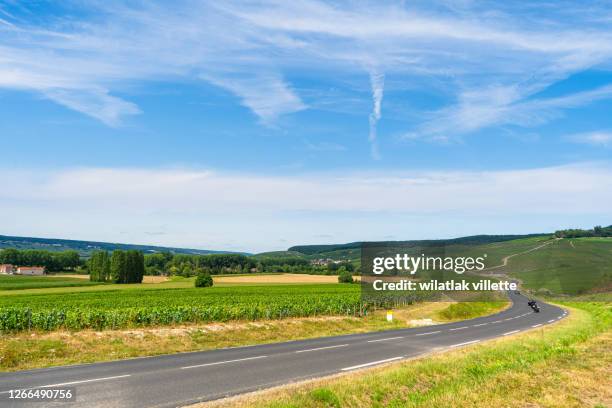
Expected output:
(507, 258)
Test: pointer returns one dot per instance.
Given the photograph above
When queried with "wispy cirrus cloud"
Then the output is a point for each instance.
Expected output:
(490, 61)
(377, 81)
(501, 106)
(600, 138)
(267, 95)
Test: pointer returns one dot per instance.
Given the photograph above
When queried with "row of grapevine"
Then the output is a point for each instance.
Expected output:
(118, 309)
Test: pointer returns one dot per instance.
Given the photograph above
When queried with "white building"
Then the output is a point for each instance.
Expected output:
(7, 269)
(31, 270)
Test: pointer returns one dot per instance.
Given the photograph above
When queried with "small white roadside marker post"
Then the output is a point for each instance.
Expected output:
(389, 315)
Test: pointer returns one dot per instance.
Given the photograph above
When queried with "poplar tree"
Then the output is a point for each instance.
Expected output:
(99, 267)
(119, 266)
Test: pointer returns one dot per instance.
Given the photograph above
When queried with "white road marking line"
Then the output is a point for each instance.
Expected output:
(372, 363)
(551, 320)
(458, 328)
(386, 339)
(86, 381)
(537, 325)
(425, 334)
(223, 362)
(322, 348)
(76, 382)
(481, 324)
(465, 343)
(497, 321)
(510, 332)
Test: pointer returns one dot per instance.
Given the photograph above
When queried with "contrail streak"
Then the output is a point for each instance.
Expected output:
(377, 81)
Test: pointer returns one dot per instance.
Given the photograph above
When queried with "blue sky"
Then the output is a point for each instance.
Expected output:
(259, 125)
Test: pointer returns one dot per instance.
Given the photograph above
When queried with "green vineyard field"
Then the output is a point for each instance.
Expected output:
(136, 308)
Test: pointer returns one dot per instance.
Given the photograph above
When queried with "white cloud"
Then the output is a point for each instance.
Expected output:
(267, 95)
(377, 81)
(596, 138)
(96, 103)
(209, 209)
(491, 59)
(502, 106)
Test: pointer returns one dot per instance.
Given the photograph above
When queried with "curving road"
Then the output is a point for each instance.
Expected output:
(185, 378)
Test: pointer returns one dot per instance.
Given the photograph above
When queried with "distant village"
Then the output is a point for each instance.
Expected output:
(8, 269)
(323, 262)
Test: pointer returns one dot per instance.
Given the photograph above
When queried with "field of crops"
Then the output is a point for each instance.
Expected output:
(16, 282)
(133, 308)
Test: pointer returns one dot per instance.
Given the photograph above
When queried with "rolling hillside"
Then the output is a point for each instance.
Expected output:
(569, 266)
(321, 250)
(86, 247)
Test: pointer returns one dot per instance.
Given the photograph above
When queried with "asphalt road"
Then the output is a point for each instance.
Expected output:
(185, 378)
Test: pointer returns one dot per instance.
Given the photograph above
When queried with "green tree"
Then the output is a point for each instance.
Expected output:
(134, 266)
(67, 260)
(344, 276)
(99, 266)
(203, 280)
(10, 256)
(140, 267)
(119, 266)
(173, 270)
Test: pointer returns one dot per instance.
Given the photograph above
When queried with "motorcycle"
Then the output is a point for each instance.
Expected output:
(534, 306)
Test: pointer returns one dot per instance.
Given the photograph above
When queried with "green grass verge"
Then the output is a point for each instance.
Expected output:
(469, 310)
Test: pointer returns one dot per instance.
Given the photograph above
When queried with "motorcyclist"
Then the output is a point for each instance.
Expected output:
(532, 303)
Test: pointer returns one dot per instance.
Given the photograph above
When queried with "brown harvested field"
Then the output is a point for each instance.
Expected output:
(69, 275)
(154, 279)
(263, 279)
(280, 278)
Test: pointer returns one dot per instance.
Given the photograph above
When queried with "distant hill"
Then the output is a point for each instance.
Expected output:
(471, 240)
(86, 247)
(279, 254)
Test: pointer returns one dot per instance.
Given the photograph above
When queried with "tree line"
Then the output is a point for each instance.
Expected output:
(597, 231)
(167, 263)
(52, 261)
(119, 267)
(129, 266)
